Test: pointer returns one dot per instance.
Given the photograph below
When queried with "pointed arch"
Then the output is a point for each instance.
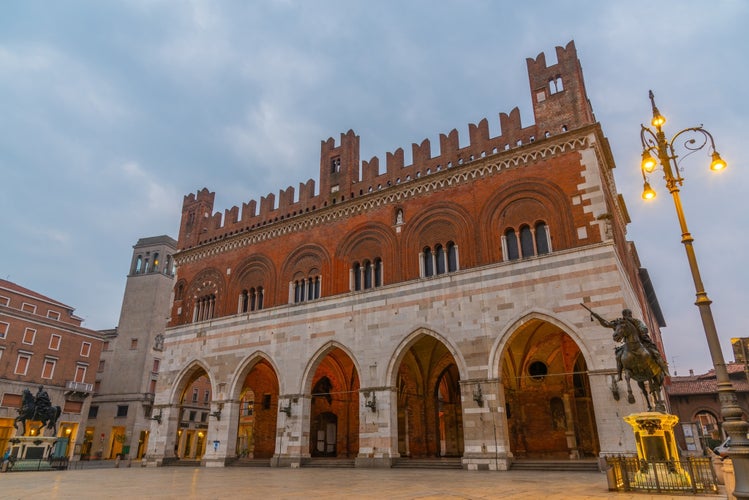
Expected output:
(402, 350)
(317, 358)
(186, 376)
(513, 325)
(245, 367)
(332, 381)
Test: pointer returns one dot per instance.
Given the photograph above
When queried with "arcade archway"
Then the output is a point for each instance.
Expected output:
(430, 414)
(194, 409)
(547, 393)
(258, 412)
(334, 412)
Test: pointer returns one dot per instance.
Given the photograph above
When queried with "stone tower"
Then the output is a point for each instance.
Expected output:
(120, 416)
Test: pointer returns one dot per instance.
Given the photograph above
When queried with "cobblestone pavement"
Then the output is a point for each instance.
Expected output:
(271, 483)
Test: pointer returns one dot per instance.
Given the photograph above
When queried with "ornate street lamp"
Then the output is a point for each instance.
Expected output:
(657, 149)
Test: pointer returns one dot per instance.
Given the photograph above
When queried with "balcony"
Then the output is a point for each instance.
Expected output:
(80, 390)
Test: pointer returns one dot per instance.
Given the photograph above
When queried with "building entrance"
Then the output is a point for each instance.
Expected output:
(430, 422)
(334, 416)
(548, 401)
(194, 408)
(258, 413)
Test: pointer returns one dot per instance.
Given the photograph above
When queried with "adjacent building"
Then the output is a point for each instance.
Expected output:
(694, 399)
(42, 343)
(428, 310)
(119, 418)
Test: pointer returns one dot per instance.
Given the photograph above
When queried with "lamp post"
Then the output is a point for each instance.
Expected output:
(657, 149)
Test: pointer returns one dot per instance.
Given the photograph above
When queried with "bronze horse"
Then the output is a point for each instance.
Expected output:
(29, 410)
(637, 362)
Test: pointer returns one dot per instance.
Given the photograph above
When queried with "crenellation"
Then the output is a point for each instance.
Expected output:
(449, 147)
(421, 153)
(394, 162)
(267, 205)
(286, 199)
(306, 194)
(231, 216)
(249, 211)
(370, 169)
(510, 127)
(559, 104)
(479, 135)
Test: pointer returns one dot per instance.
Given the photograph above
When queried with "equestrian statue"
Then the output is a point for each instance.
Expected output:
(637, 357)
(37, 408)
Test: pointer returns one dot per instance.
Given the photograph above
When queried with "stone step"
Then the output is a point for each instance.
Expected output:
(182, 462)
(250, 462)
(556, 465)
(428, 463)
(335, 463)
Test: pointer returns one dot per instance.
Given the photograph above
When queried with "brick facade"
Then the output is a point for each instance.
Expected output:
(431, 310)
(43, 343)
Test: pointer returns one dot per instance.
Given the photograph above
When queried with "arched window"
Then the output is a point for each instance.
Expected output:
(244, 299)
(138, 264)
(526, 242)
(205, 308)
(306, 289)
(367, 274)
(452, 257)
(542, 239)
(155, 263)
(428, 262)
(168, 266)
(146, 266)
(378, 272)
(511, 241)
(440, 257)
(357, 276)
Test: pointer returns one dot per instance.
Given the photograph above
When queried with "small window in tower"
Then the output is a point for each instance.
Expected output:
(335, 165)
(122, 410)
(559, 84)
(133, 343)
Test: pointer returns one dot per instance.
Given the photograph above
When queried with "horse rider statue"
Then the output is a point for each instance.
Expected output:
(37, 408)
(43, 402)
(655, 353)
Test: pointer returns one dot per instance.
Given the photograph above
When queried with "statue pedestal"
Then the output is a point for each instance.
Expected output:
(656, 448)
(32, 447)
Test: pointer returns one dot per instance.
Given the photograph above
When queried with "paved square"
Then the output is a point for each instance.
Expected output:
(268, 483)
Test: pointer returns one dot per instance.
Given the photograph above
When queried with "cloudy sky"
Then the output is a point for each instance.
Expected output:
(111, 112)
